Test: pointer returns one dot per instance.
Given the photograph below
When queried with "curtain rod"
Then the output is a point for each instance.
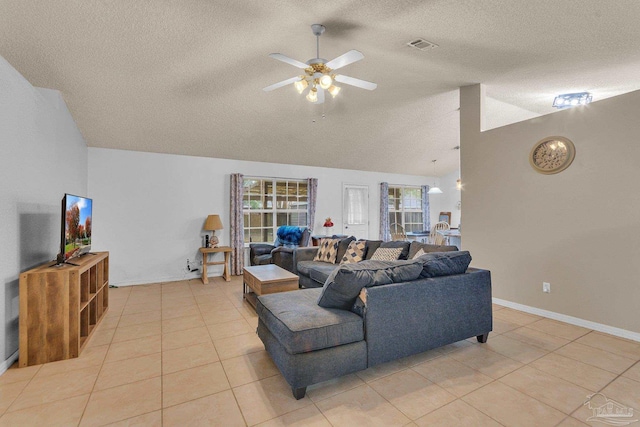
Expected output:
(407, 185)
(273, 177)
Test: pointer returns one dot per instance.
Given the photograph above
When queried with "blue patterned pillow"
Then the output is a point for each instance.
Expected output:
(288, 235)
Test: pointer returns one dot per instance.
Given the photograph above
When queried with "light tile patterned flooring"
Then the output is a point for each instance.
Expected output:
(184, 353)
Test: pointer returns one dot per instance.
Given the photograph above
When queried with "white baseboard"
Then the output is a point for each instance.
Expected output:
(623, 333)
(7, 363)
(149, 280)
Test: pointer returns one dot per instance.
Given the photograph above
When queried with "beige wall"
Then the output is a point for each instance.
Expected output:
(578, 230)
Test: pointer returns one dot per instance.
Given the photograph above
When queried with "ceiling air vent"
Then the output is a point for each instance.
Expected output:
(422, 44)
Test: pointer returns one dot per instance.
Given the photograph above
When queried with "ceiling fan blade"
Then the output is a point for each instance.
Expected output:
(280, 84)
(345, 59)
(290, 61)
(320, 96)
(362, 84)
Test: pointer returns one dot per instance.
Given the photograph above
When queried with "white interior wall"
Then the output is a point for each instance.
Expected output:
(149, 208)
(578, 230)
(43, 157)
(448, 200)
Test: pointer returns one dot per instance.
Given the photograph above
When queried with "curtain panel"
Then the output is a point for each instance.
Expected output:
(312, 189)
(237, 224)
(385, 231)
(426, 215)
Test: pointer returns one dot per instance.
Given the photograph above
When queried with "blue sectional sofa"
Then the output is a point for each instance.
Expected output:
(385, 321)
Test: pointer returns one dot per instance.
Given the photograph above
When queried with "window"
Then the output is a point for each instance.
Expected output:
(405, 207)
(269, 203)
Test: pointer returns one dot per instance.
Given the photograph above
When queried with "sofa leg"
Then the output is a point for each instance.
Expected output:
(299, 393)
(482, 338)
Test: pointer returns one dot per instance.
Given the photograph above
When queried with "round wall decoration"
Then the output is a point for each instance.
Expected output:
(552, 154)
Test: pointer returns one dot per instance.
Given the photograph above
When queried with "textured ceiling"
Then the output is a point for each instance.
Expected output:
(185, 77)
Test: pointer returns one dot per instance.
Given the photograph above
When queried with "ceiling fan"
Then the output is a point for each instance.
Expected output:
(319, 74)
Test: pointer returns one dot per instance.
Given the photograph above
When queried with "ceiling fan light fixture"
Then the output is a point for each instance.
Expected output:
(319, 73)
(301, 85)
(326, 81)
(312, 96)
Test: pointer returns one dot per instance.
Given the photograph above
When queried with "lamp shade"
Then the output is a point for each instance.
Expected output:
(213, 222)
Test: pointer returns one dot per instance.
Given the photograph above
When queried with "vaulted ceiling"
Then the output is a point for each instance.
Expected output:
(186, 77)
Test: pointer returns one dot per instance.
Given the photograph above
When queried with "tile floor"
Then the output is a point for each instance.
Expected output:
(184, 353)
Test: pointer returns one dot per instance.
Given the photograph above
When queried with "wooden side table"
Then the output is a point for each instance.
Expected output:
(205, 262)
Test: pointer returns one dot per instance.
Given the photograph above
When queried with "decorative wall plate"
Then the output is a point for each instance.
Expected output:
(552, 154)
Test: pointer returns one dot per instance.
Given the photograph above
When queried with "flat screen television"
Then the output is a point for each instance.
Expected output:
(75, 239)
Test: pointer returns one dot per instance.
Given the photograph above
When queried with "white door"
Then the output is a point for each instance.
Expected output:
(355, 207)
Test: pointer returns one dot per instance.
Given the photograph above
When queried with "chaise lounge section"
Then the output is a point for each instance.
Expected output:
(310, 343)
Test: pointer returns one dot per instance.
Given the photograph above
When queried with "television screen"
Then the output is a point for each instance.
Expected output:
(76, 229)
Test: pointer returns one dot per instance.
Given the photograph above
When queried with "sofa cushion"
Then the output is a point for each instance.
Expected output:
(327, 251)
(321, 271)
(387, 254)
(372, 245)
(343, 285)
(416, 246)
(398, 244)
(444, 263)
(304, 266)
(301, 326)
(355, 252)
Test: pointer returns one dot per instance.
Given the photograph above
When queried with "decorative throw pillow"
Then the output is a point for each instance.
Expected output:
(386, 254)
(355, 252)
(398, 244)
(327, 251)
(360, 306)
(419, 254)
(343, 285)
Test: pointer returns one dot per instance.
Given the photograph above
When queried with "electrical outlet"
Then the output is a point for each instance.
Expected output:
(546, 287)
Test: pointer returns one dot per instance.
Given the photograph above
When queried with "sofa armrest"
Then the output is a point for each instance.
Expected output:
(256, 249)
(303, 254)
(407, 318)
(283, 257)
(259, 249)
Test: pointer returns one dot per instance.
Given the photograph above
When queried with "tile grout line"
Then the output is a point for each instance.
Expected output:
(524, 364)
(235, 398)
(102, 364)
(570, 415)
(609, 383)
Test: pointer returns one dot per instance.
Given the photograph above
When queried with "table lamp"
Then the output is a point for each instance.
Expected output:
(213, 223)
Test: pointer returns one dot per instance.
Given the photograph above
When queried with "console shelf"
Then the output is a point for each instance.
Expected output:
(60, 306)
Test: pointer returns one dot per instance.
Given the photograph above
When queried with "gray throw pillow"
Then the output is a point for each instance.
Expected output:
(342, 247)
(437, 264)
(426, 248)
(343, 285)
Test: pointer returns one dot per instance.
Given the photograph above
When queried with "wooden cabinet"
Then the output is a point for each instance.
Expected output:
(60, 306)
